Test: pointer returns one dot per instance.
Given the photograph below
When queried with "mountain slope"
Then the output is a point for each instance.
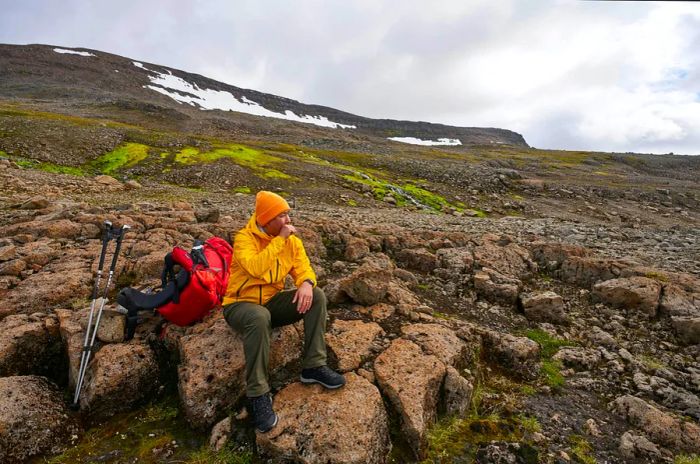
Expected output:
(89, 77)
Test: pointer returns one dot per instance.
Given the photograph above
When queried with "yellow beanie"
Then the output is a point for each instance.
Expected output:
(268, 205)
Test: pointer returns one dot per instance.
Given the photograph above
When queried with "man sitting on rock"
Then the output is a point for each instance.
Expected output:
(264, 252)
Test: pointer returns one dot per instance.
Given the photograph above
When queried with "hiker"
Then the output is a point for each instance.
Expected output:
(264, 252)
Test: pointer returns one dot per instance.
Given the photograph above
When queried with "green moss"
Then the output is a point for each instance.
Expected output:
(352, 203)
(242, 189)
(581, 450)
(550, 345)
(226, 456)
(551, 373)
(652, 363)
(656, 275)
(47, 167)
(125, 156)
(257, 161)
(686, 459)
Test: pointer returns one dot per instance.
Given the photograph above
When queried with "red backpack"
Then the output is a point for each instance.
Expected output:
(189, 295)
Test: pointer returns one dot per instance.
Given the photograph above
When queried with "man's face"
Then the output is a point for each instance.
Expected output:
(273, 227)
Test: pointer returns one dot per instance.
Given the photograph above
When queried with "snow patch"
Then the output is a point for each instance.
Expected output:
(208, 99)
(415, 141)
(72, 52)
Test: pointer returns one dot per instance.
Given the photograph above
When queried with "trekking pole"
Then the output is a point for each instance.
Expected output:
(106, 237)
(88, 351)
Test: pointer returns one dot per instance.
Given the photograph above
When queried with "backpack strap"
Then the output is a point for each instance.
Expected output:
(168, 275)
(197, 254)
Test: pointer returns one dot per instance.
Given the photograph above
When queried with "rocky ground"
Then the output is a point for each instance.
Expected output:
(562, 337)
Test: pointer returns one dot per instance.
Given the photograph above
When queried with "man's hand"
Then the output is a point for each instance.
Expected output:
(287, 230)
(304, 297)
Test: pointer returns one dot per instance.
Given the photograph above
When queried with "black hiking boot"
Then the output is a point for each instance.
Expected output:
(323, 375)
(264, 418)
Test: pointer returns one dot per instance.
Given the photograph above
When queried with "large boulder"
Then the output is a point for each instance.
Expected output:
(73, 338)
(518, 355)
(675, 301)
(586, 271)
(543, 307)
(120, 376)
(212, 367)
(637, 293)
(496, 287)
(412, 381)
(351, 342)
(33, 419)
(29, 345)
(419, 259)
(439, 341)
(348, 425)
(658, 426)
(369, 283)
(503, 255)
(458, 392)
(687, 329)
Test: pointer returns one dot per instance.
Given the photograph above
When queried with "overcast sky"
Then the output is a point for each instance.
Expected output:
(609, 76)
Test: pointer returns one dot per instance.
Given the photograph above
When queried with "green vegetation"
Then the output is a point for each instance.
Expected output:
(656, 275)
(352, 203)
(241, 189)
(149, 435)
(551, 369)
(581, 450)
(651, 362)
(686, 459)
(257, 161)
(227, 455)
(124, 156)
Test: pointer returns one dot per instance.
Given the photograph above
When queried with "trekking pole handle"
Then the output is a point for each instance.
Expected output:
(120, 236)
(106, 237)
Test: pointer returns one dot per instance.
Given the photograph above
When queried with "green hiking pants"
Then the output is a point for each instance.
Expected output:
(255, 324)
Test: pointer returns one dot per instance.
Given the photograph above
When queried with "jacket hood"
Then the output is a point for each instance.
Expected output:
(252, 226)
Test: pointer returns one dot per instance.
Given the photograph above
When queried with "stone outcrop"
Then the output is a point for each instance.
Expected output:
(412, 381)
(369, 283)
(496, 287)
(29, 344)
(439, 341)
(348, 425)
(352, 341)
(33, 419)
(119, 376)
(637, 293)
(212, 368)
(458, 393)
(658, 426)
(544, 307)
(519, 355)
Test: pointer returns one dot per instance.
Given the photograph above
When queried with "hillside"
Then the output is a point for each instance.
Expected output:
(489, 301)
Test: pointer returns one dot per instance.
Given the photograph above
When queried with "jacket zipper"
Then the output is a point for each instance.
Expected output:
(238, 292)
(277, 271)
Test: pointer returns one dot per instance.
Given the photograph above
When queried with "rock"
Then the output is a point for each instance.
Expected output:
(504, 256)
(518, 355)
(369, 283)
(578, 358)
(348, 425)
(33, 419)
(458, 393)
(356, 249)
(73, 337)
(687, 329)
(550, 256)
(496, 287)
(379, 311)
(411, 380)
(586, 271)
(7, 253)
(119, 376)
(439, 341)
(454, 262)
(29, 346)
(543, 307)
(208, 215)
(599, 337)
(220, 434)
(132, 184)
(108, 181)
(351, 342)
(634, 447)
(675, 301)
(13, 267)
(112, 326)
(591, 427)
(212, 367)
(62, 229)
(657, 425)
(419, 259)
(638, 293)
(38, 202)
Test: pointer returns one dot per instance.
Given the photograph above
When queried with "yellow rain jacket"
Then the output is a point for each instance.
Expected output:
(261, 262)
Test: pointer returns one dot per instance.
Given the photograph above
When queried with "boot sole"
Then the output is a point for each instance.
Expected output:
(277, 418)
(330, 387)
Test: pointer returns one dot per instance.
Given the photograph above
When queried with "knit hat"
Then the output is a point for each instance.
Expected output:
(268, 205)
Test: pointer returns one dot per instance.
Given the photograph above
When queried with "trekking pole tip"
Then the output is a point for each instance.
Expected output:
(74, 406)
